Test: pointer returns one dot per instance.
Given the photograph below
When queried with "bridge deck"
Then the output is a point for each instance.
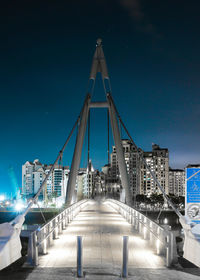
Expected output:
(102, 229)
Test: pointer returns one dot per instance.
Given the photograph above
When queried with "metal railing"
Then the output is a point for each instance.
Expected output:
(42, 238)
(160, 239)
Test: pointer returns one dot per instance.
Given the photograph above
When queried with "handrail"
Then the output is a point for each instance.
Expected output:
(163, 238)
(132, 208)
(76, 205)
(41, 238)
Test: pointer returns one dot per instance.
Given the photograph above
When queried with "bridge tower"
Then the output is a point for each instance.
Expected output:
(98, 66)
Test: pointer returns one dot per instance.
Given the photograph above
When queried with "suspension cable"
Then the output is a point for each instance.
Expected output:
(88, 155)
(147, 166)
(108, 121)
(41, 212)
(51, 169)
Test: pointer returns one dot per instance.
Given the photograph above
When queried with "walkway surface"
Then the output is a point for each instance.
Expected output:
(102, 229)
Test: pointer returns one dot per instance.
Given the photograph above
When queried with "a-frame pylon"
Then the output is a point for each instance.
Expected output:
(98, 65)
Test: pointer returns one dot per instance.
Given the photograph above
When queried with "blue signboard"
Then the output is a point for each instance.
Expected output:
(193, 194)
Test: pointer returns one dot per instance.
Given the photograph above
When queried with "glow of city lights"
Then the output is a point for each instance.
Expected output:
(165, 221)
(19, 206)
(59, 204)
(2, 197)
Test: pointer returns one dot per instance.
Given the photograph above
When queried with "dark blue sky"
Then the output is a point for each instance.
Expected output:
(152, 51)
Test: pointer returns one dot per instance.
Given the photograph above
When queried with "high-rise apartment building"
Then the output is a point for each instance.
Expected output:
(158, 161)
(141, 182)
(89, 181)
(57, 181)
(32, 177)
(177, 182)
(133, 164)
(33, 174)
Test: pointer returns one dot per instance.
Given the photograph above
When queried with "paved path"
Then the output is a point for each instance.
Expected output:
(102, 229)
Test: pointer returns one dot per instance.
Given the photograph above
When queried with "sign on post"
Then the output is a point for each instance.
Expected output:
(192, 194)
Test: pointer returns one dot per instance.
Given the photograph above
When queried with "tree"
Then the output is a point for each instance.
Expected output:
(156, 199)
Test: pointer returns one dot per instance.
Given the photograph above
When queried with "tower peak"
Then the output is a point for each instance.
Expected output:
(99, 42)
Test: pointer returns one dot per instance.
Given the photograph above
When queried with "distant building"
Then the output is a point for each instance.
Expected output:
(81, 187)
(33, 174)
(32, 177)
(177, 182)
(141, 182)
(133, 164)
(158, 161)
(57, 181)
(89, 181)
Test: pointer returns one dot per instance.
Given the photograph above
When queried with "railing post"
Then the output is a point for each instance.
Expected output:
(35, 247)
(158, 242)
(66, 218)
(55, 232)
(72, 214)
(60, 224)
(170, 249)
(126, 214)
(144, 231)
(79, 257)
(125, 257)
(133, 219)
(168, 252)
(139, 224)
(32, 258)
(40, 238)
(51, 228)
(146, 228)
(63, 220)
(30, 249)
(150, 233)
(45, 241)
(49, 236)
(69, 215)
(130, 216)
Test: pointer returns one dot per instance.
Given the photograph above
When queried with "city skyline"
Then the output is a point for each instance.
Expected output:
(152, 62)
(61, 165)
(108, 180)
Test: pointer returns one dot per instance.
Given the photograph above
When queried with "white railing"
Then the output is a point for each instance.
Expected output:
(42, 238)
(160, 239)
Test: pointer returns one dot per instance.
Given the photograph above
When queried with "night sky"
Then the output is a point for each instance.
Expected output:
(152, 49)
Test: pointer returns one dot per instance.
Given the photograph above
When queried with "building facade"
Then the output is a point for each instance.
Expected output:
(177, 182)
(57, 181)
(141, 182)
(158, 161)
(32, 177)
(33, 174)
(133, 164)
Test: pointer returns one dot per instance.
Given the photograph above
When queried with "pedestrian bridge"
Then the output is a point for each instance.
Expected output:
(102, 229)
(105, 236)
(54, 250)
